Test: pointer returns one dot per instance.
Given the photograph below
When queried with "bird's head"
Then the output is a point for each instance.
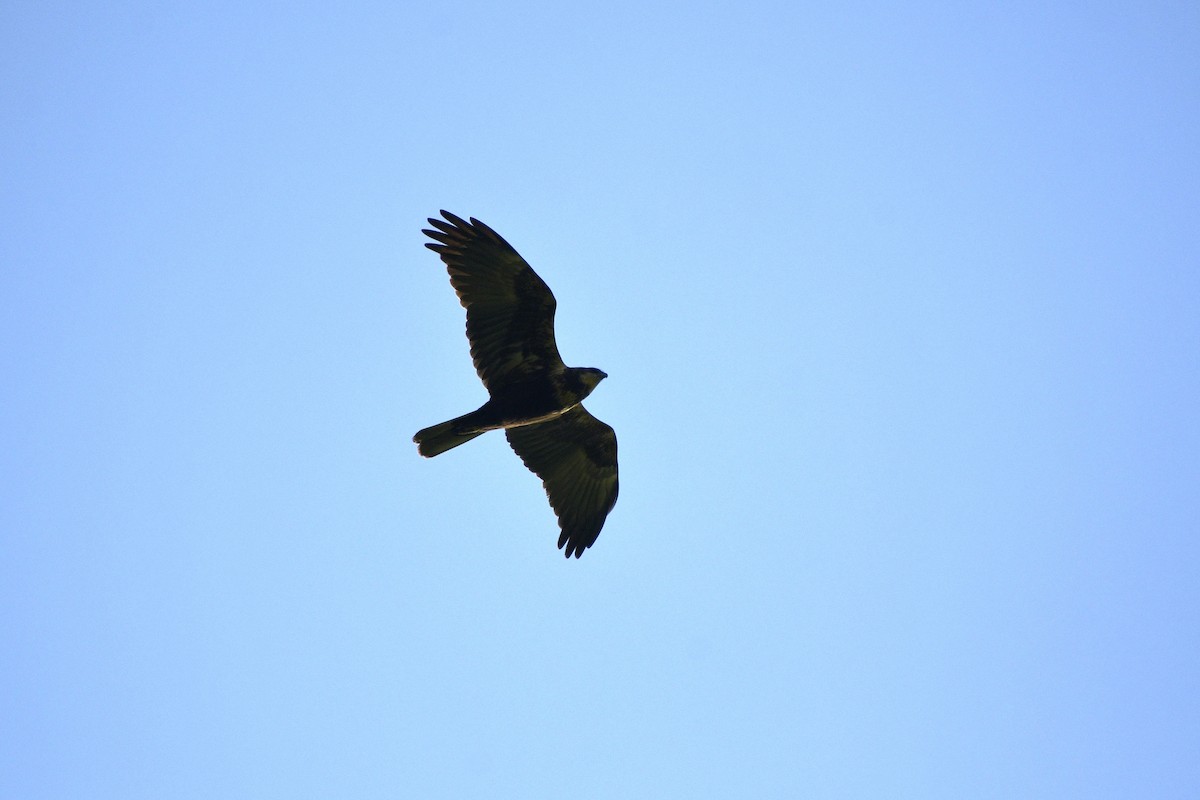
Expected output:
(588, 379)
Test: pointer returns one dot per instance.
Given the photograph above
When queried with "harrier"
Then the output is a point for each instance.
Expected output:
(534, 397)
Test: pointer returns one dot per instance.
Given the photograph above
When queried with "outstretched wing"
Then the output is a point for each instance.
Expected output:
(510, 310)
(575, 455)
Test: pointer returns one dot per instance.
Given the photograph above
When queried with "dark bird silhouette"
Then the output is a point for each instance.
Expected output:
(534, 397)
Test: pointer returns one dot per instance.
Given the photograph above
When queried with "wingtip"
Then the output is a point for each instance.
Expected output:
(570, 547)
(452, 218)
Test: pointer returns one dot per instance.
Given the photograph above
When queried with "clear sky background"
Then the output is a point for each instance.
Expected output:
(900, 305)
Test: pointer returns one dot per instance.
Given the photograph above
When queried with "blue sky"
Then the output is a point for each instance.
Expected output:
(901, 312)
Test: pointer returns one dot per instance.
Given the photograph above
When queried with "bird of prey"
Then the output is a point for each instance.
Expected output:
(534, 397)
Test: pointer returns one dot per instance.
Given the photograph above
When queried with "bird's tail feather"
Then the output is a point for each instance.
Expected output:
(437, 439)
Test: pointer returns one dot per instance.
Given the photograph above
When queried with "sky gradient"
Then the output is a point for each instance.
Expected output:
(901, 313)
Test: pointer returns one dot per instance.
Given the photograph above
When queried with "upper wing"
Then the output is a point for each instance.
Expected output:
(575, 455)
(510, 310)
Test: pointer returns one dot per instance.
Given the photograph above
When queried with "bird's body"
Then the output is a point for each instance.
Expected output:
(527, 402)
(534, 397)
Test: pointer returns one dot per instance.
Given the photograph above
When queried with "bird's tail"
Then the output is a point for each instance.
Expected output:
(437, 439)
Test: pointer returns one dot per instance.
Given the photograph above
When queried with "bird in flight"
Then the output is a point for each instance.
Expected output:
(533, 396)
